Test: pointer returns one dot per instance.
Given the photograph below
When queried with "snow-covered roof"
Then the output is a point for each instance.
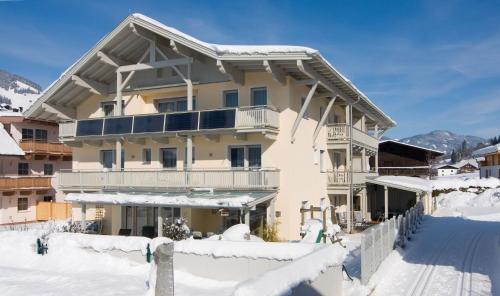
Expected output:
(464, 162)
(240, 56)
(486, 150)
(230, 199)
(7, 145)
(411, 145)
(402, 182)
(446, 165)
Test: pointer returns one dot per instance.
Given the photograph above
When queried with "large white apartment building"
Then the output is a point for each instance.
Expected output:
(165, 125)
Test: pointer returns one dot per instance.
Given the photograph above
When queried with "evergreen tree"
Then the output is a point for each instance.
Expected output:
(454, 156)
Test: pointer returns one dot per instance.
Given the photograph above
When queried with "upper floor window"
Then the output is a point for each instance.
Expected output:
(48, 169)
(27, 134)
(173, 105)
(23, 168)
(231, 98)
(168, 157)
(259, 96)
(108, 108)
(107, 159)
(41, 135)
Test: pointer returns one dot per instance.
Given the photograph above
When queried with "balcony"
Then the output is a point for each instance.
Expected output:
(250, 119)
(37, 147)
(343, 178)
(228, 179)
(25, 183)
(340, 133)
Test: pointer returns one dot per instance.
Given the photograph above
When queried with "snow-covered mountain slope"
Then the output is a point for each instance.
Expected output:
(442, 140)
(17, 91)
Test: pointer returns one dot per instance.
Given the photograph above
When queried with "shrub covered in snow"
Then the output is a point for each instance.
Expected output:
(176, 231)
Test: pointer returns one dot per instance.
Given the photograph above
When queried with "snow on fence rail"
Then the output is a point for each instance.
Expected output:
(379, 241)
(47, 225)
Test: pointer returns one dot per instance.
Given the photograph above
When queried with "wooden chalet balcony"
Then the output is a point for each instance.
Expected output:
(244, 119)
(343, 178)
(340, 133)
(227, 179)
(37, 147)
(25, 183)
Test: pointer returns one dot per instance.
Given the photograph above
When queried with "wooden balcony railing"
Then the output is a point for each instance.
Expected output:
(24, 183)
(262, 179)
(343, 178)
(45, 148)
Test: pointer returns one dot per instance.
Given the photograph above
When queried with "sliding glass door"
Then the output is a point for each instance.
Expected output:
(246, 157)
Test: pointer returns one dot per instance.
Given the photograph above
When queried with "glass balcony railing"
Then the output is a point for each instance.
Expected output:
(191, 121)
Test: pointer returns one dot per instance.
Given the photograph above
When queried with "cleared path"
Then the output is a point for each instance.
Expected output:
(448, 256)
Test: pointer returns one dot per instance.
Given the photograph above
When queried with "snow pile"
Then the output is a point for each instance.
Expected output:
(7, 145)
(193, 199)
(238, 232)
(458, 199)
(464, 181)
(249, 249)
(282, 280)
(99, 243)
(312, 227)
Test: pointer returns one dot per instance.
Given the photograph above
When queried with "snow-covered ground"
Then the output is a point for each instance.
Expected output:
(455, 252)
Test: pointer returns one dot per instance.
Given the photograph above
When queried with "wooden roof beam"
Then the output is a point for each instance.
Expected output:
(234, 74)
(61, 112)
(93, 86)
(111, 60)
(278, 74)
(155, 65)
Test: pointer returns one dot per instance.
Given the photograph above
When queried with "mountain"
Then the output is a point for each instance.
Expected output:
(17, 92)
(442, 140)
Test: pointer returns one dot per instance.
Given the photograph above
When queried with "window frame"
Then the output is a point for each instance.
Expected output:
(252, 97)
(23, 171)
(246, 156)
(160, 151)
(45, 166)
(144, 160)
(108, 103)
(40, 139)
(113, 158)
(229, 91)
(23, 134)
(174, 100)
(24, 202)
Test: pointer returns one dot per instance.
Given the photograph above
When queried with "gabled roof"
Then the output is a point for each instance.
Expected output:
(446, 165)
(122, 43)
(7, 145)
(439, 153)
(465, 162)
(487, 150)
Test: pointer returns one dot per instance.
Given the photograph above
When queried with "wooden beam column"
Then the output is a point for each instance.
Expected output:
(303, 111)
(386, 202)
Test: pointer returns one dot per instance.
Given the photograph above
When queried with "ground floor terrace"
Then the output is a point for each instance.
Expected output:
(146, 214)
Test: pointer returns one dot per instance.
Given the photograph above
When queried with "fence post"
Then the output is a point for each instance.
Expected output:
(164, 259)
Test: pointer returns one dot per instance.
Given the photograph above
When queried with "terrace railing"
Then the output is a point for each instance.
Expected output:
(341, 132)
(44, 147)
(174, 179)
(26, 183)
(343, 178)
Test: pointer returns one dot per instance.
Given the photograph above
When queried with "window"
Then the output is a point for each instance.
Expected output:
(41, 135)
(108, 108)
(107, 159)
(192, 156)
(27, 134)
(168, 157)
(23, 168)
(173, 105)
(48, 169)
(146, 155)
(230, 98)
(322, 161)
(336, 160)
(245, 156)
(259, 96)
(22, 204)
(48, 198)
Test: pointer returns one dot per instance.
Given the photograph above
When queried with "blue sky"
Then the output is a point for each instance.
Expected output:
(428, 64)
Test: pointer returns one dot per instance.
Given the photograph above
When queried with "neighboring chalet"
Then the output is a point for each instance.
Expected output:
(467, 166)
(490, 166)
(30, 156)
(443, 170)
(401, 159)
(164, 125)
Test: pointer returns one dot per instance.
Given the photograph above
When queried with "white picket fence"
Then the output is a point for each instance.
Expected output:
(379, 241)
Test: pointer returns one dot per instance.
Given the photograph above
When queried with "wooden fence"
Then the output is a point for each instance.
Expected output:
(53, 211)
